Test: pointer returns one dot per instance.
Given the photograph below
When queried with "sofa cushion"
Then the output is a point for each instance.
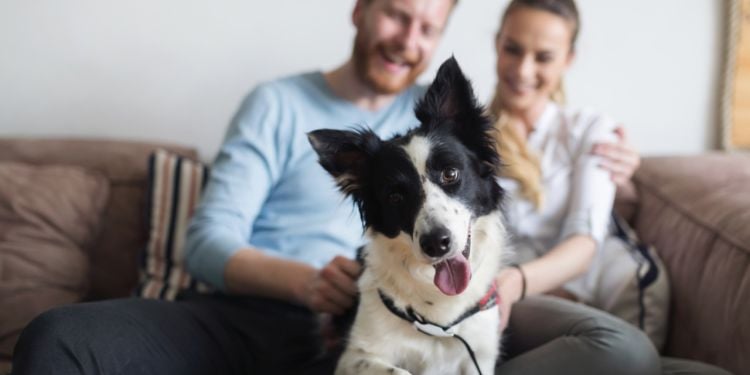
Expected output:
(114, 259)
(175, 186)
(696, 211)
(49, 218)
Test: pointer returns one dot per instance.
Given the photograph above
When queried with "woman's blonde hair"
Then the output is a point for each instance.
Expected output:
(520, 163)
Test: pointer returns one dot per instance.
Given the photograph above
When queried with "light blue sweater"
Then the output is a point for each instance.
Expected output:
(267, 190)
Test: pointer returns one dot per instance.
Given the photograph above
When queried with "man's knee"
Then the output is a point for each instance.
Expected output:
(48, 340)
(51, 327)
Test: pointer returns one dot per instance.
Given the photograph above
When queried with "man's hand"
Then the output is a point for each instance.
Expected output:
(621, 159)
(333, 288)
(509, 289)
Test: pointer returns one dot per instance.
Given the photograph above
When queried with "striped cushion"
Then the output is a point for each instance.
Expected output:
(175, 186)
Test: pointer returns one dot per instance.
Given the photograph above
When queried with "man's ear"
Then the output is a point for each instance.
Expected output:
(344, 154)
(359, 12)
(450, 96)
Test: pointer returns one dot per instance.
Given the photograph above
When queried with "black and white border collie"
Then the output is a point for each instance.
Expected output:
(431, 209)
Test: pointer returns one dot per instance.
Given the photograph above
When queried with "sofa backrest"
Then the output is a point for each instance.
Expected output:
(124, 230)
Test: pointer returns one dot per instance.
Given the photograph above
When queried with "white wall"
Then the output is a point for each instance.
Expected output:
(175, 70)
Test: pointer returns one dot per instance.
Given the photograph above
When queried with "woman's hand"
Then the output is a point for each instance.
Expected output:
(621, 159)
(333, 288)
(509, 289)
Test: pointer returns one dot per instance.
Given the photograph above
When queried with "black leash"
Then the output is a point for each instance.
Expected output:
(436, 330)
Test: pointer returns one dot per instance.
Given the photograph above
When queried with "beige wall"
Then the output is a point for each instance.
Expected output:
(175, 70)
(740, 117)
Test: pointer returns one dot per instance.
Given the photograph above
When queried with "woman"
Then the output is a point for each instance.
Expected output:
(559, 205)
(559, 199)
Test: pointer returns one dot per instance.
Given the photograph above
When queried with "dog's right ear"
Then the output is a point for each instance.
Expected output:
(344, 154)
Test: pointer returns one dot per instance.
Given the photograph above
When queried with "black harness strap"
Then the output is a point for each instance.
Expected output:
(436, 330)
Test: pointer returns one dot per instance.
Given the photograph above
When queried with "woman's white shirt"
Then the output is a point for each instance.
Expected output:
(578, 193)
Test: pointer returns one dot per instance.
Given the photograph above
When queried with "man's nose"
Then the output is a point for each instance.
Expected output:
(410, 37)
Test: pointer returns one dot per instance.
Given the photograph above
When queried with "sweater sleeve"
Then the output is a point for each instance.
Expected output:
(248, 163)
(593, 191)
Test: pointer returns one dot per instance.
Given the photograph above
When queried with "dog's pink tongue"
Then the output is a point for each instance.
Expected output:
(452, 275)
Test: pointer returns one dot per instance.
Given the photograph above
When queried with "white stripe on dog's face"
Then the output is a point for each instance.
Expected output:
(418, 150)
(438, 208)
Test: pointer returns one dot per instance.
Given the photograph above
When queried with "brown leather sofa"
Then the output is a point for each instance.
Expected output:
(694, 209)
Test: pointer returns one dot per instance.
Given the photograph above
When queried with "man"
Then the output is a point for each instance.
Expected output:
(272, 233)
(267, 171)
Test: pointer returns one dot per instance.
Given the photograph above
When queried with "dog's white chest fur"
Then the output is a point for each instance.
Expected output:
(380, 342)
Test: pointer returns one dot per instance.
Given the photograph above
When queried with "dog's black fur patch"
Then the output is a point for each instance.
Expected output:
(382, 180)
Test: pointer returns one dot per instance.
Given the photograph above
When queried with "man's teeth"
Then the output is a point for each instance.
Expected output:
(394, 59)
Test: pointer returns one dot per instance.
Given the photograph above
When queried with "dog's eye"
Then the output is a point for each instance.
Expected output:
(395, 198)
(449, 176)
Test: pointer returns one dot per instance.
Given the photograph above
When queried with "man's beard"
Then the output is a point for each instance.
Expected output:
(379, 81)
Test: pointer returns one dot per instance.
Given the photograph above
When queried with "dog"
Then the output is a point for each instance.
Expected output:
(431, 209)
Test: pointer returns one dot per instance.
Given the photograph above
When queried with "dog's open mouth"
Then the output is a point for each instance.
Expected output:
(452, 275)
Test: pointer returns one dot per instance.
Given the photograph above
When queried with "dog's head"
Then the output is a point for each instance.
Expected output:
(428, 186)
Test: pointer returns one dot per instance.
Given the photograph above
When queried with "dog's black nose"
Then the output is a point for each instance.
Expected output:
(436, 243)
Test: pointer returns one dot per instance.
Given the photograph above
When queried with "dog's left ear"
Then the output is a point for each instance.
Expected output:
(344, 154)
(450, 101)
(450, 96)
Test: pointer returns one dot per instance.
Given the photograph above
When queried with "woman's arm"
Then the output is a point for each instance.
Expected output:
(564, 262)
(585, 222)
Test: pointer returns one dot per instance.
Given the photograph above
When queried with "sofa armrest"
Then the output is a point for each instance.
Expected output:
(696, 211)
